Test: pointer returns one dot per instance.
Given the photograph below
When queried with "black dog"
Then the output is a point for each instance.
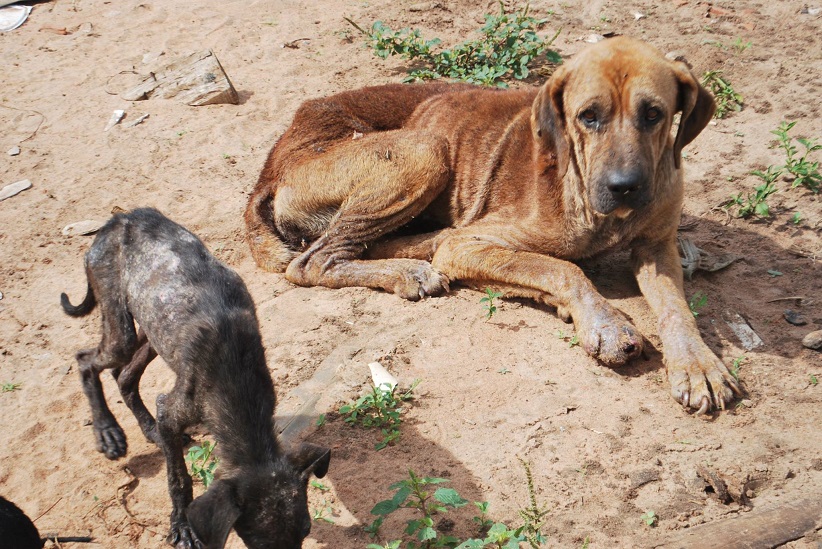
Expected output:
(197, 314)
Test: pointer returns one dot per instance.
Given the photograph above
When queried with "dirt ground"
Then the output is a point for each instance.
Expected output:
(605, 445)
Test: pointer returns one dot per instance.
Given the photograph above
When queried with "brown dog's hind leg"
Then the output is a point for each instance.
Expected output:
(376, 184)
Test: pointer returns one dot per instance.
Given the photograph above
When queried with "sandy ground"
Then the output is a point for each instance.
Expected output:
(605, 446)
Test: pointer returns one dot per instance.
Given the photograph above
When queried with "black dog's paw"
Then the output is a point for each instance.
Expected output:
(181, 536)
(111, 440)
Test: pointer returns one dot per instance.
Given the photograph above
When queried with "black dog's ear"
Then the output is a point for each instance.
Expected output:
(212, 515)
(548, 121)
(697, 106)
(310, 458)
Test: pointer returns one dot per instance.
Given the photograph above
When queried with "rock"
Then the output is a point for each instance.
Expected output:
(813, 340)
(794, 318)
(748, 338)
(14, 151)
(83, 228)
(15, 188)
(115, 119)
(197, 79)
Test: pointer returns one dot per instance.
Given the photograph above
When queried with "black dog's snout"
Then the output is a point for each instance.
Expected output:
(625, 182)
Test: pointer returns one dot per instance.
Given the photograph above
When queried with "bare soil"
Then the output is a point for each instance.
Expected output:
(605, 445)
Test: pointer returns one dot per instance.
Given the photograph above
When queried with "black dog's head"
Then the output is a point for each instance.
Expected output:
(267, 507)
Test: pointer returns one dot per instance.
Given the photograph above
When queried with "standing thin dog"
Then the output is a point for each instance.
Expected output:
(197, 314)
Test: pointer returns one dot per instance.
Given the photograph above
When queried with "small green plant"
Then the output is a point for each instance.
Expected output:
(585, 543)
(573, 340)
(813, 380)
(507, 45)
(323, 513)
(739, 45)
(11, 387)
(736, 365)
(727, 100)
(415, 492)
(796, 219)
(488, 302)
(697, 301)
(805, 172)
(482, 519)
(756, 203)
(649, 518)
(319, 485)
(321, 420)
(533, 515)
(202, 463)
(379, 408)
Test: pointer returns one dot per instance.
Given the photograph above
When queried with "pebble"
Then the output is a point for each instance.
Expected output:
(14, 151)
(10, 190)
(794, 318)
(88, 226)
(813, 340)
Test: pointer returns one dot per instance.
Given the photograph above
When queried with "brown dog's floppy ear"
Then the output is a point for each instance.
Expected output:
(212, 515)
(310, 458)
(548, 120)
(697, 106)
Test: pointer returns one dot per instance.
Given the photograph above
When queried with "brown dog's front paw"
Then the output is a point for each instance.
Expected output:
(420, 281)
(701, 382)
(610, 338)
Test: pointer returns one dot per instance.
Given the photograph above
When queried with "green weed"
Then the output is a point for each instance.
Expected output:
(202, 463)
(323, 513)
(533, 515)
(739, 45)
(805, 172)
(737, 364)
(488, 302)
(756, 203)
(727, 100)
(649, 518)
(697, 301)
(572, 340)
(415, 493)
(381, 409)
(11, 387)
(507, 45)
(813, 380)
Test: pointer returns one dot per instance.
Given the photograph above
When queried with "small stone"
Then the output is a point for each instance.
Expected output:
(10, 190)
(794, 317)
(813, 340)
(83, 228)
(14, 151)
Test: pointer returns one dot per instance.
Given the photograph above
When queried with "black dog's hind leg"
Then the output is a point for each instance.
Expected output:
(115, 350)
(128, 380)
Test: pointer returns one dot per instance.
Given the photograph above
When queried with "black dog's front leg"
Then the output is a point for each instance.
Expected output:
(172, 419)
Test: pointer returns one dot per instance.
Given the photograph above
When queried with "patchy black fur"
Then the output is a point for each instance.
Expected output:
(197, 314)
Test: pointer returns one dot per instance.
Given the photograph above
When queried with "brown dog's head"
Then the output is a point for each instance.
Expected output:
(608, 114)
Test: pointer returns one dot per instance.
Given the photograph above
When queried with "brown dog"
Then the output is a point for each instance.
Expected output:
(501, 188)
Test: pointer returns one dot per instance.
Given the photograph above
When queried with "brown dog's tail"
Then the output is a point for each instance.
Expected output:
(267, 247)
(83, 308)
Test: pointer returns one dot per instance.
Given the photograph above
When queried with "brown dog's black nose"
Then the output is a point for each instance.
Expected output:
(624, 182)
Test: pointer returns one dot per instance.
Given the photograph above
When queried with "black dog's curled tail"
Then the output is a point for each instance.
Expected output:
(83, 308)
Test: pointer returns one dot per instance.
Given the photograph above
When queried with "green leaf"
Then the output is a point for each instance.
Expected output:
(385, 507)
(449, 496)
(426, 533)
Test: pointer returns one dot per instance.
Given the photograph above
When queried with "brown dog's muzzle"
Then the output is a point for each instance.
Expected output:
(626, 187)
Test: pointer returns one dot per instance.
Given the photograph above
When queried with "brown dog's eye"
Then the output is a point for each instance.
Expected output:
(588, 117)
(653, 114)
